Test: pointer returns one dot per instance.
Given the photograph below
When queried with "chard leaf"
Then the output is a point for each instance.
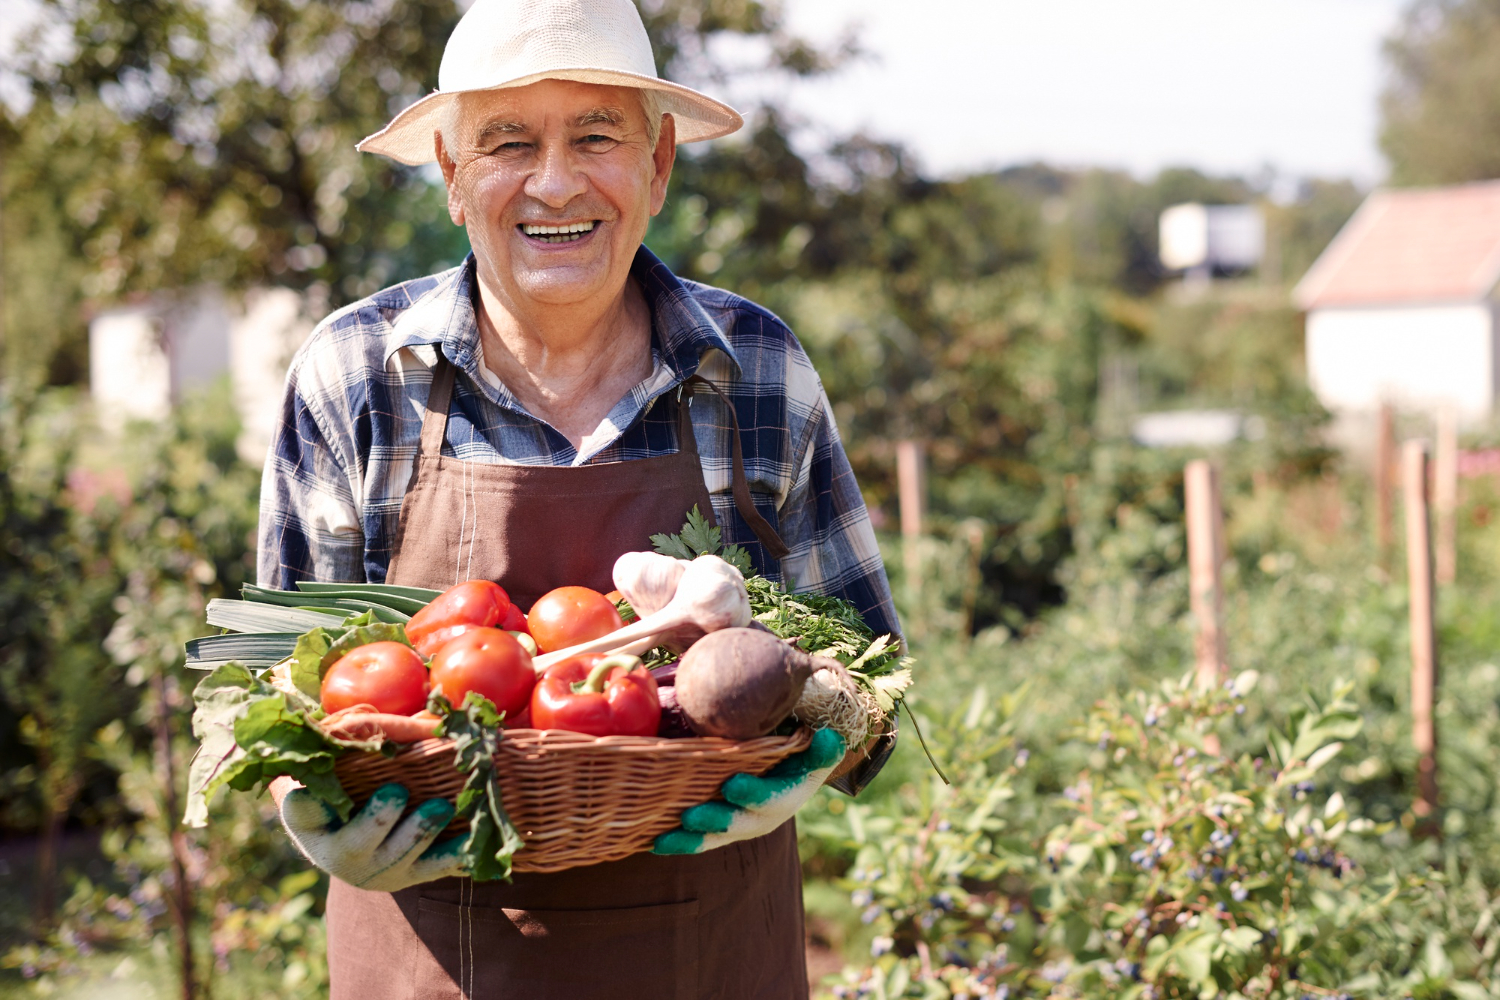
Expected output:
(249, 733)
(306, 666)
(493, 838)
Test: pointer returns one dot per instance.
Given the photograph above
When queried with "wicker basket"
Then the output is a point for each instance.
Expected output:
(578, 800)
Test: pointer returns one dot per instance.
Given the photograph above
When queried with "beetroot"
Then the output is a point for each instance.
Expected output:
(739, 683)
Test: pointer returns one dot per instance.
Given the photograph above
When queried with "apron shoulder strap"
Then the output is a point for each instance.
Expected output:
(435, 419)
(767, 535)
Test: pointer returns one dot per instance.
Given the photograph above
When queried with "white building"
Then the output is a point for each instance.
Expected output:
(1402, 306)
(146, 358)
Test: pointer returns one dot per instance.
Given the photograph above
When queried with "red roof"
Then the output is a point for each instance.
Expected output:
(1419, 245)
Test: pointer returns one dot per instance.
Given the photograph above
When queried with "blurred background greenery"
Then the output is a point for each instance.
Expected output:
(177, 143)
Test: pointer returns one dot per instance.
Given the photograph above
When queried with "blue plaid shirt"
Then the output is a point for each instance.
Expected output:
(351, 421)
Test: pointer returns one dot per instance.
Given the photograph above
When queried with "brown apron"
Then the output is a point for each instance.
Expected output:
(724, 924)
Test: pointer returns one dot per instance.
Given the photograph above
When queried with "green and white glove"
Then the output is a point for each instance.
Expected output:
(755, 806)
(376, 849)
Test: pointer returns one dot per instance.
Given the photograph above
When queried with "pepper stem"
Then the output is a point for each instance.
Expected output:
(594, 683)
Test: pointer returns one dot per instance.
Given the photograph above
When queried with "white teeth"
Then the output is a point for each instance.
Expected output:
(576, 227)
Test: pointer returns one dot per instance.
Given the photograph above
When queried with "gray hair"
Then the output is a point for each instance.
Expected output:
(652, 107)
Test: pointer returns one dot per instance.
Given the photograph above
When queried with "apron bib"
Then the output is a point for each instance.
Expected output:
(727, 924)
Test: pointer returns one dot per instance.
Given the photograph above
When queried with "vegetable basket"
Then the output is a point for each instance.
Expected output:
(578, 800)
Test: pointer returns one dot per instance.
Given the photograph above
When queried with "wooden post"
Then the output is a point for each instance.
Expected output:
(1205, 531)
(1445, 495)
(1385, 447)
(1423, 636)
(911, 481)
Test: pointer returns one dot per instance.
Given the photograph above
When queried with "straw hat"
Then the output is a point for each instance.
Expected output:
(511, 43)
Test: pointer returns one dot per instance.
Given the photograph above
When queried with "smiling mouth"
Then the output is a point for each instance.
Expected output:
(570, 233)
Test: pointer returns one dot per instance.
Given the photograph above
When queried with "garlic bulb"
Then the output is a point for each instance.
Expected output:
(710, 595)
(647, 580)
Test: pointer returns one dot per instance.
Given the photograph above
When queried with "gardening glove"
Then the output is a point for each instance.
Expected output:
(375, 849)
(755, 806)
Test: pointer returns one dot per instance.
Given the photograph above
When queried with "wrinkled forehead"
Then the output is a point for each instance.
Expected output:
(545, 105)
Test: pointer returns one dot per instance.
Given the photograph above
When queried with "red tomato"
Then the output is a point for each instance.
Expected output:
(569, 615)
(514, 621)
(477, 602)
(389, 676)
(435, 640)
(489, 661)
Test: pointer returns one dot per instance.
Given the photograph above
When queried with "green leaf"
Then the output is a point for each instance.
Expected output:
(699, 538)
(672, 545)
(1195, 957)
(306, 667)
(475, 730)
(250, 733)
(1242, 939)
(1323, 755)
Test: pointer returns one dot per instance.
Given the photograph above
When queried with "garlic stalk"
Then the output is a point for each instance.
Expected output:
(710, 595)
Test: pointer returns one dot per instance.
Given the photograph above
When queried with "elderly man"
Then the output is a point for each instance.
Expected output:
(525, 417)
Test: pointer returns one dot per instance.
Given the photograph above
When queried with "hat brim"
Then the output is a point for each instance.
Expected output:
(408, 137)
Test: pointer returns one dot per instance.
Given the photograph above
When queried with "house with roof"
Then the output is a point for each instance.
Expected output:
(1403, 305)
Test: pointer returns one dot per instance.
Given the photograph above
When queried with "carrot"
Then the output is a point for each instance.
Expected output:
(362, 722)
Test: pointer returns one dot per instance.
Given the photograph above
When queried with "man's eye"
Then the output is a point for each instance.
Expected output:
(597, 138)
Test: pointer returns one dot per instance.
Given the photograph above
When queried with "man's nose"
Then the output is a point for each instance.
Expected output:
(557, 179)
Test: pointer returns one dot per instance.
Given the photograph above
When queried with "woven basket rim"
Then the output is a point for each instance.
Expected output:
(560, 739)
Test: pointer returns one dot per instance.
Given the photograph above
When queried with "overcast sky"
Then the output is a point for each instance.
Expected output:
(1227, 85)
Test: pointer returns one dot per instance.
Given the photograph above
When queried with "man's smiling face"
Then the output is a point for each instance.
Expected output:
(555, 183)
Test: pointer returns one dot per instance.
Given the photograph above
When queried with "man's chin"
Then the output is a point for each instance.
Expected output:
(561, 284)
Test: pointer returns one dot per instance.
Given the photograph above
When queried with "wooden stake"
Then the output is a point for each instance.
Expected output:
(1205, 531)
(1385, 447)
(911, 482)
(1445, 495)
(1423, 636)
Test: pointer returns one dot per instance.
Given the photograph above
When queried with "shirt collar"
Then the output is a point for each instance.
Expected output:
(445, 316)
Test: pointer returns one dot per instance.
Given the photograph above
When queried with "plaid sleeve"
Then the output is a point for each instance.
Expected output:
(309, 521)
(827, 528)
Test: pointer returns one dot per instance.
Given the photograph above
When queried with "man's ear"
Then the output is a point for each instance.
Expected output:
(662, 158)
(448, 167)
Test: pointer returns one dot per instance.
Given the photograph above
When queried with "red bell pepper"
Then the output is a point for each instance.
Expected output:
(598, 695)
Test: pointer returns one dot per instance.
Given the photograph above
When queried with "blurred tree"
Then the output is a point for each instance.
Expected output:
(201, 142)
(1298, 232)
(1441, 106)
(174, 142)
